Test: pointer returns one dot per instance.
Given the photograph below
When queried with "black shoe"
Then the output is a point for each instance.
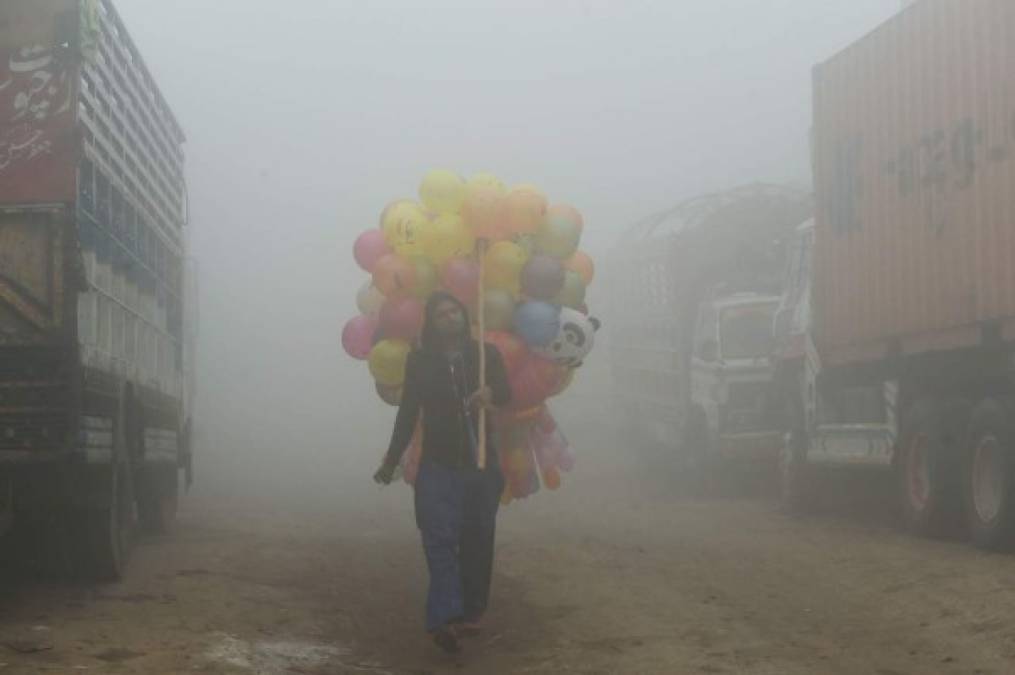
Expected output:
(446, 639)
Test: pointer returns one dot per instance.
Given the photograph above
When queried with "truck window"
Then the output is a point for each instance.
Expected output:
(746, 332)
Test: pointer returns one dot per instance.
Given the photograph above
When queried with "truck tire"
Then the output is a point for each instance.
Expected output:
(929, 466)
(158, 499)
(796, 489)
(796, 480)
(106, 531)
(989, 461)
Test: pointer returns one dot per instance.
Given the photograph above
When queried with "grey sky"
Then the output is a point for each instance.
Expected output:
(304, 118)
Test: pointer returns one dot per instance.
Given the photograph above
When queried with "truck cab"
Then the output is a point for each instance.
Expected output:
(733, 411)
(831, 421)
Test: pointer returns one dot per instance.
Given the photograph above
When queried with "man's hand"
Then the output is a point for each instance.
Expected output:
(481, 399)
(384, 475)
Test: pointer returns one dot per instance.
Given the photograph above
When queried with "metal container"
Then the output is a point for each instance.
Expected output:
(914, 162)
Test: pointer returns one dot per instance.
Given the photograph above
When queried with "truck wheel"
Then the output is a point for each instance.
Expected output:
(928, 466)
(989, 482)
(158, 499)
(795, 479)
(107, 531)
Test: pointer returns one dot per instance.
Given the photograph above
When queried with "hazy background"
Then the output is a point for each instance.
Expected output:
(306, 117)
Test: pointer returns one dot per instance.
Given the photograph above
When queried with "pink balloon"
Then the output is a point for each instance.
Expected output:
(369, 248)
(358, 336)
(545, 450)
(547, 424)
(461, 278)
(401, 318)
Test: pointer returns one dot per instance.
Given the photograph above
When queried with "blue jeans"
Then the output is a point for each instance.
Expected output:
(456, 512)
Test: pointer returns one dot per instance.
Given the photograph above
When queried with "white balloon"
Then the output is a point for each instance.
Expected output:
(369, 299)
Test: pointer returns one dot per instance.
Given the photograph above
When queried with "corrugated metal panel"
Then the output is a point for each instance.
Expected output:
(915, 174)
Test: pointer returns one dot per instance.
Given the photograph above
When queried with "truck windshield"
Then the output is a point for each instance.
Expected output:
(746, 332)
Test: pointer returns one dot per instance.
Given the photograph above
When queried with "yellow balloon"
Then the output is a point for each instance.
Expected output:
(504, 263)
(404, 224)
(397, 204)
(442, 191)
(448, 237)
(489, 180)
(387, 362)
(519, 461)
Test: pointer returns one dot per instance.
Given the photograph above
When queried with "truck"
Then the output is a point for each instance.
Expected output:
(694, 291)
(895, 337)
(96, 305)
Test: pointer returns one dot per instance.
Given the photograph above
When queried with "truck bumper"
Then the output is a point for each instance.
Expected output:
(759, 446)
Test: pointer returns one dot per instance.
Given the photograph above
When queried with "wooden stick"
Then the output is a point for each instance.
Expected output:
(481, 450)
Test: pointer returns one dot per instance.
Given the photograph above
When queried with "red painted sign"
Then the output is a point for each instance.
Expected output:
(38, 141)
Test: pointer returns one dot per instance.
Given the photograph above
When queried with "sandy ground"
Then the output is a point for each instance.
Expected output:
(615, 573)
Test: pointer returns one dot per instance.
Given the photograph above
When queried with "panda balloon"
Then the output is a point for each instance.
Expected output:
(574, 340)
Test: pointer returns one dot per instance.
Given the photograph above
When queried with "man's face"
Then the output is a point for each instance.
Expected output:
(448, 319)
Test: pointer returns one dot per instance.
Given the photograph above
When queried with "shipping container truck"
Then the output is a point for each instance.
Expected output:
(896, 331)
(96, 308)
(694, 290)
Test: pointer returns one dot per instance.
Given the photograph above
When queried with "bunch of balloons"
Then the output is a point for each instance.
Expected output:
(532, 280)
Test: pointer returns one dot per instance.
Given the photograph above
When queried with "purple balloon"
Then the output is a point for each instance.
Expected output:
(566, 459)
(358, 336)
(401, 318)
(461, 279)
(542, 277)
(369, 248)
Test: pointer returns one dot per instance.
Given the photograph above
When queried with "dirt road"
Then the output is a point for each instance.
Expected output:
(613, 574)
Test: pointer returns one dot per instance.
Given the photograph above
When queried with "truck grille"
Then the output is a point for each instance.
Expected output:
(751, 407)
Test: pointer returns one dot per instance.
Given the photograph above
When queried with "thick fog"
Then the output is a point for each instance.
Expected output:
(305, 118)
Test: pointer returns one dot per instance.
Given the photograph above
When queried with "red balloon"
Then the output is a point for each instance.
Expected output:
(461, 278)
(533, 382)
(513, 351)
(369, 248)
(401, 318)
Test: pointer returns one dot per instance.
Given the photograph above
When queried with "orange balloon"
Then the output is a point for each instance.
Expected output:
(394, 275)
(483, 212)
(581, 263)
(524, 208)
(565, 382)
(551, 479)
(524, 415)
